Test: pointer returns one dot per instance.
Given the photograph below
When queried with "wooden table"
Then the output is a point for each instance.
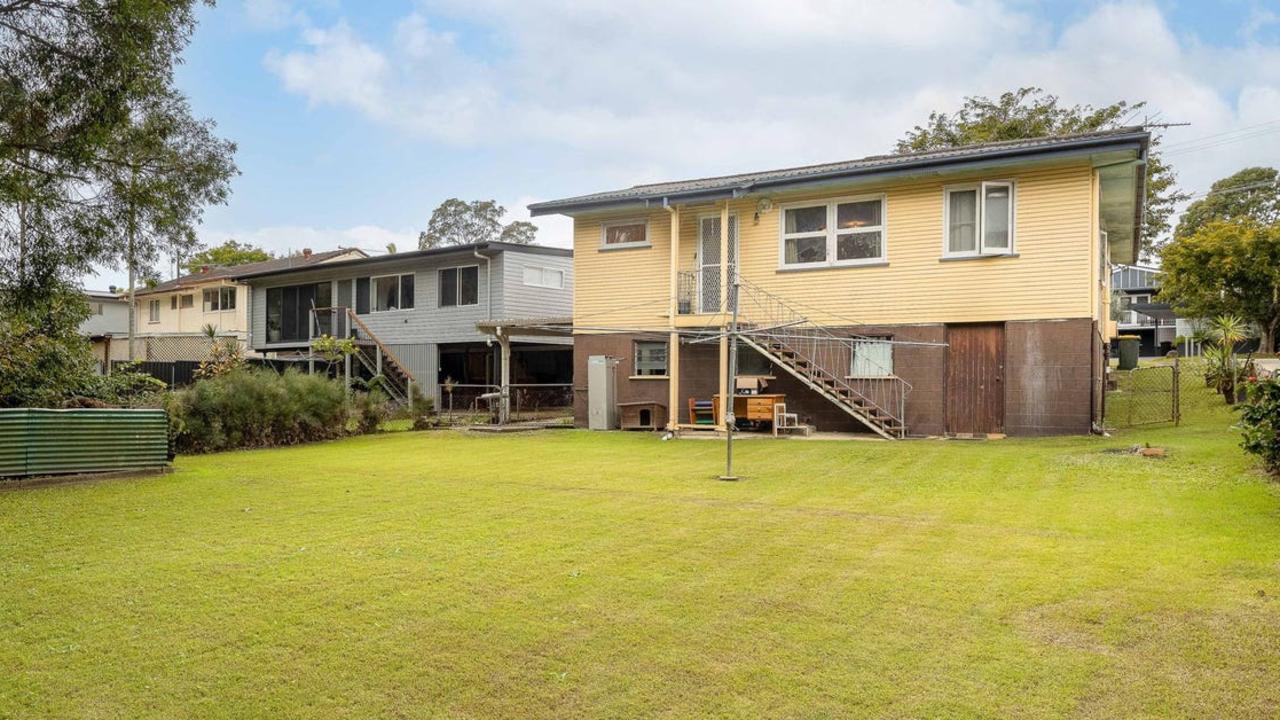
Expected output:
(753, 408)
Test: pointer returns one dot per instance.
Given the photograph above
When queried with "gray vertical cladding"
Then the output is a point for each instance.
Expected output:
(422, 361)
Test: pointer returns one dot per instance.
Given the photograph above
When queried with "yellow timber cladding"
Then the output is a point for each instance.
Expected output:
(1052, 274)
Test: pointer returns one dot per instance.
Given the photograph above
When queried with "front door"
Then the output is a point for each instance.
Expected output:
(975, 378)
(709, 292)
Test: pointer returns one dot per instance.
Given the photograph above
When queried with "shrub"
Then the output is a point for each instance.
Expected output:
(1260, 423)
(251, 407)
(44, 361)
(225, 356)
(124, 387)
(370, 409)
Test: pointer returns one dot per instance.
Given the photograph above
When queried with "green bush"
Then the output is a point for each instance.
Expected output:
(370, 409)
(1260, 422)
(44, 361)
(252, 407)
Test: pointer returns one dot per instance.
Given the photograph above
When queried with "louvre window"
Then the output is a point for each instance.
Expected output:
(651, 359)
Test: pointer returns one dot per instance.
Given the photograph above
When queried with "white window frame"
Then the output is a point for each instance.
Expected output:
(457, 289)
(218, 305)
(980, 191)
(887, 342)
(604, 233)
(833, 233)
(153, 311)
(373, 292)
(635, 359)
(542, 273)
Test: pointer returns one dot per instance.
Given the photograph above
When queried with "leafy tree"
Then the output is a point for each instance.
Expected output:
(1226, 268)
(77, 78)
(161, 170)
(1252, 193)
(43, 358)
(1031, 112)
(101, 161)
(457, 222)
(227, 254)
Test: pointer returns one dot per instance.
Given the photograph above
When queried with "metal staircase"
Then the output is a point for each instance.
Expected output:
(824, 361)
(371, 354)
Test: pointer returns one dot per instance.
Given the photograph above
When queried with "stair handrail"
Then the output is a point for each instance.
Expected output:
(783, 322)
(387, 351)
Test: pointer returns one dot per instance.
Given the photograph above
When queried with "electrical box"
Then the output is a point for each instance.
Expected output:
(602, 392)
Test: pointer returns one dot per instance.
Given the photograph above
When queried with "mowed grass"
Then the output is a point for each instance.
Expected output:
(571, 574)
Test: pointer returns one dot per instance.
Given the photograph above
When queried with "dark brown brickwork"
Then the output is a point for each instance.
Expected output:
(1048, 380)
(1049, 377)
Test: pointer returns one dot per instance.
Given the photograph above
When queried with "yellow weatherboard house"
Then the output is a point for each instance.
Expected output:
(962, 291)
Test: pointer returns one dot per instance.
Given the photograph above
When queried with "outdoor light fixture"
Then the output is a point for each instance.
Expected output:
(763, 206)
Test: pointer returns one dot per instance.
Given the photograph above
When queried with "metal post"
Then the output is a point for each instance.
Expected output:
(311, 353)
(1177, 390)
(728, 400)
(504, 409)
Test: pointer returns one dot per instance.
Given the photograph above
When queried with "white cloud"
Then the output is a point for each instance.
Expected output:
(649, 90)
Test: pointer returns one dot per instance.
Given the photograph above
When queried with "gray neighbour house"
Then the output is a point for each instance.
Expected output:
(418, 312)
(108, 321)
(1141, 313)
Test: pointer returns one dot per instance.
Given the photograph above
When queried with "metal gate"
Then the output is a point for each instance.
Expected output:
(1144, 396)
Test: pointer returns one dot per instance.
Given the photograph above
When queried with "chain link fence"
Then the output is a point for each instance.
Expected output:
(1150, 394)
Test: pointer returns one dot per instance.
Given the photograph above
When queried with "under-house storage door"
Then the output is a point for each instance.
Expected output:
(709, 290)
(975, 378)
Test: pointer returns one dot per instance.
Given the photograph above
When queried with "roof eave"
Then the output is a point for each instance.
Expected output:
(1128, 141)
(408, 256)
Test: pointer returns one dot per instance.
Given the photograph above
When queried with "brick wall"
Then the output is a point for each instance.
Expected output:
(1050, 378)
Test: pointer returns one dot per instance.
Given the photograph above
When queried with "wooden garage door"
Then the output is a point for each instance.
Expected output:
(975, 378)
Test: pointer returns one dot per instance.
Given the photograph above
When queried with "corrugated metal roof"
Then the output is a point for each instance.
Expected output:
(746, 182)
(415, 254)
(230, 272)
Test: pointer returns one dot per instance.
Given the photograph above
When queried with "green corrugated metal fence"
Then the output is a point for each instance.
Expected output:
(86, 440)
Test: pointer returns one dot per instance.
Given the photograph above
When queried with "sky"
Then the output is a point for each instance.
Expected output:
(354, 120)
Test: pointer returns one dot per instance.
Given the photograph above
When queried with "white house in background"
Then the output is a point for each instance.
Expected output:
(107, 324)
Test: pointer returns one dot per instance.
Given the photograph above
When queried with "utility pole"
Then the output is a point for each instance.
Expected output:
(730, 421)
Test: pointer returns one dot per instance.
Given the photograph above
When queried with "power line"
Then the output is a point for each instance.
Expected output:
(1210, 142)
(1236, 188)
(1247, 128)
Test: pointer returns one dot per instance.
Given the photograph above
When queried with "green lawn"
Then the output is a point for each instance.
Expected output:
(570, 574)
